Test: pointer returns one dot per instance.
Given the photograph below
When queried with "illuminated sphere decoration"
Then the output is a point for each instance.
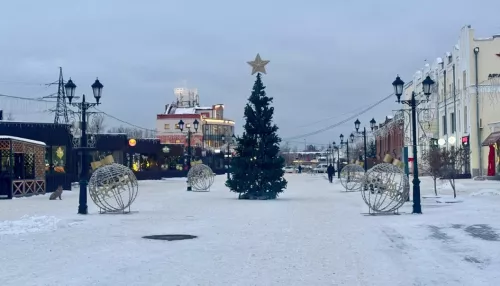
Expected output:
(132, 142)
(113, 188)
(351, 177)
(386, 188)
(200, 177)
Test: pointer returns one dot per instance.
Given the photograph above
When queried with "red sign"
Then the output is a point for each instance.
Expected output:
(196, 140)
(465, 140)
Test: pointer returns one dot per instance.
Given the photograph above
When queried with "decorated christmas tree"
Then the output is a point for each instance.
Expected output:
(257, 169)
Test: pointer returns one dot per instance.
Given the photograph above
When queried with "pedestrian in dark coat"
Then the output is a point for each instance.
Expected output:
(331, 171)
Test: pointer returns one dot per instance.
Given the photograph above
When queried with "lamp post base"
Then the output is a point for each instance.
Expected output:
(417, 207)
(83, 210)
(82, 205)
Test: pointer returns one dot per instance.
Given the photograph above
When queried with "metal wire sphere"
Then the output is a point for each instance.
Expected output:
(200, 177)
(385, 188)
(351, 177)
(113, 188)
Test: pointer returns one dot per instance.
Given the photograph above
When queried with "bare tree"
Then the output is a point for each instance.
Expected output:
(311, 148)
(432, 165)
(453, 160)
(131, 132)
(96, 124)
(285, 153)
(10, 116)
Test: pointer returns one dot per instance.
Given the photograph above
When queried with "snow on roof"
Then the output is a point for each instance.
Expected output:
(22, 139)
(32, 122)
(439, 60)
(204, 108)
(448, 54)
(185, 110)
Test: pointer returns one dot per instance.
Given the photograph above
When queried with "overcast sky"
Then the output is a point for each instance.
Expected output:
(328, 58)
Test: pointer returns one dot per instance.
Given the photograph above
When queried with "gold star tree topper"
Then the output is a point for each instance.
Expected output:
(258, 65)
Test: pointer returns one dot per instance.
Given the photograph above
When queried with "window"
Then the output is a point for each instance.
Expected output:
(166, 126)
(464, 78)
(59, 158)
(453, 127)
(466, 125)
(445, 127)
(177, 126)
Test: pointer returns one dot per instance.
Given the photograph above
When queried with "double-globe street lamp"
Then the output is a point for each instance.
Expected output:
(372, 125)
(188, 137)
(188, 126)
(346, 143)
(233, 138)
(83, 106)
(398, 85)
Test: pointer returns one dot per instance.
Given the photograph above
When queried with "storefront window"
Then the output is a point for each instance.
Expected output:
(5, 161)
(59, 158)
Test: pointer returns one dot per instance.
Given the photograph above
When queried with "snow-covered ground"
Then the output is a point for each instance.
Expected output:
(314, 234)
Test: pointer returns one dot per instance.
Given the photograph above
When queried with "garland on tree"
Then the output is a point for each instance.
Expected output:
(257, 169)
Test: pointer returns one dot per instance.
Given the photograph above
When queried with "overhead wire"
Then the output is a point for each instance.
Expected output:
(53, 101)
(340, 122)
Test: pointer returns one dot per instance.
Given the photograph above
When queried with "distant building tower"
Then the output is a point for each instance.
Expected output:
(187, 97)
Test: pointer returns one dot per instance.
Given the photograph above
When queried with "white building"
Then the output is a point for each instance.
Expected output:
(467, 93)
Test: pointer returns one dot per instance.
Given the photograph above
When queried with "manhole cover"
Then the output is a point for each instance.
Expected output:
(170, 237)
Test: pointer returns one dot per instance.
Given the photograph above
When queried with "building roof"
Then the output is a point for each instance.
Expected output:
(185, 110)
(3, 137)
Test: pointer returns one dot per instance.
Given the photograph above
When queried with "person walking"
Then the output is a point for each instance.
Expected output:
(331, 171)
(300, 169)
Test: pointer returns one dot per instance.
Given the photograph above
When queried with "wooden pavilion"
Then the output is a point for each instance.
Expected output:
(22, 167)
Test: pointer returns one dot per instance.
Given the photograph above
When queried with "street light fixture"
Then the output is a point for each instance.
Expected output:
(356, 124)
(189, 132)
(351, 138)
(398, 85)
(372, 125)
(83, 106)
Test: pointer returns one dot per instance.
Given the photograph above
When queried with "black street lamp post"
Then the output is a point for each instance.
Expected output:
(346, 143)
(233, 138)
(372, 125)
(398, 85)
(335, 147)
(83, 107)
(189, 132)
(329, 152)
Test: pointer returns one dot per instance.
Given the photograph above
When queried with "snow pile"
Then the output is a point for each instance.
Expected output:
(446, 186)
(486, 192)
(29, 224)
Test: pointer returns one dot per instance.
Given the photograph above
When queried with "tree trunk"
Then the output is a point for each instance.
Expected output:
(435, 189)
(452, 182)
